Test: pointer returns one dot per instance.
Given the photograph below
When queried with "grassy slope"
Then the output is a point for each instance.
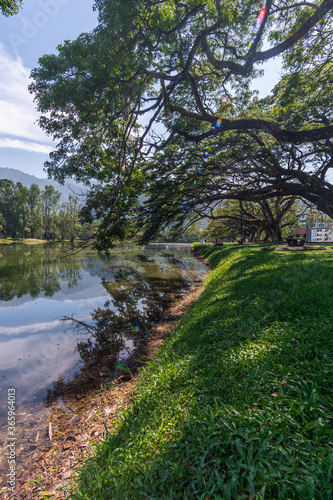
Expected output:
(238, 403)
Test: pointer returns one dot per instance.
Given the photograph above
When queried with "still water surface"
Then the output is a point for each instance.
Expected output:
(39, 286)
(122, 296)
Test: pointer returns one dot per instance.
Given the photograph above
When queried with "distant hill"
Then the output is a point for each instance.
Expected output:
(26, 179)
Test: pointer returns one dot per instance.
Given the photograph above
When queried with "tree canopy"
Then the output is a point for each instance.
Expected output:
(10, 7)
(238, 219)
(30, 212)
(158, 101)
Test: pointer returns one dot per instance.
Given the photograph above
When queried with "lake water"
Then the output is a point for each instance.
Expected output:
(39, 286)
(119, 298)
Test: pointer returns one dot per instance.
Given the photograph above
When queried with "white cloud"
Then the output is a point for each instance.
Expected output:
(41, 327)
(32, 328)
(17, 110)
(27, 146)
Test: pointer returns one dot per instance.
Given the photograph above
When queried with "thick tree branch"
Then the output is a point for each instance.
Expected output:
(294, 137)
(324, 8)
(293, 6)
(245, 69)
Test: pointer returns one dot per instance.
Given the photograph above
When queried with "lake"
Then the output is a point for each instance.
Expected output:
(114, 302)
(39, 286)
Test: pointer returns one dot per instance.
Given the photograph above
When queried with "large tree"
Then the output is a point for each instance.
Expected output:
(68, 219)
(7, 198)
(274, 218)
(21, 211)
(36, 214)
(50, 198)
(187, 67)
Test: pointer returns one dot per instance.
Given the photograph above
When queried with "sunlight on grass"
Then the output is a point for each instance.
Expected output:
(239, 401)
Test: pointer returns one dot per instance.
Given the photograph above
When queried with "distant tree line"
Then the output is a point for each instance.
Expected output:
(34, 213)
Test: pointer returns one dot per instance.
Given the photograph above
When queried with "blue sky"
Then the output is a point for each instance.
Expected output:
(39, 27)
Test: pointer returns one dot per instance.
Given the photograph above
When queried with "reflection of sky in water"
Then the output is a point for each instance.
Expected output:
(35, 348)
(21, 320)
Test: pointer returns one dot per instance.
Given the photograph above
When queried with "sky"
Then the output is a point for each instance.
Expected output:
(39, 27)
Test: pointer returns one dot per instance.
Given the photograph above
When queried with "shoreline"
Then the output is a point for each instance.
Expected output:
(198, 426)
(77, 422)
(26, 241)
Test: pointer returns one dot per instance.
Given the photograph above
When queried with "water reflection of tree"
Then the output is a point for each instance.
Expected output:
(36, 269)
(140, 292)
(144, 287)
(140, 302)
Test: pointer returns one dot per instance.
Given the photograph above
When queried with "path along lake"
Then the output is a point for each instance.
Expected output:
(39, 286)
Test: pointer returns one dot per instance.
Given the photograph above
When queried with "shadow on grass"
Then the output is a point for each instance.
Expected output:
(238, 404)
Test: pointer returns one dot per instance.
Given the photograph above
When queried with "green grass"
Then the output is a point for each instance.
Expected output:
(238, 404)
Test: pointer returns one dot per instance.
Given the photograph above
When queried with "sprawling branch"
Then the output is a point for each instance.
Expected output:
(171, 64)
(245, 69)
(294, 137)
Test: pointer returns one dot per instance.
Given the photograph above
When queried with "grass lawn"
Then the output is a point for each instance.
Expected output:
(238, 404)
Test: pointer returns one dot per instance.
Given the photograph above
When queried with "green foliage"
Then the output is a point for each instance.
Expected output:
(274, 218)
(36, 269)
(6, 202)
(238, 402)
(37, 214)
(10, 7)
(182, 66)
(50, 199)
(190, 235)
(35, 206)
(313, 217)
(21, 211)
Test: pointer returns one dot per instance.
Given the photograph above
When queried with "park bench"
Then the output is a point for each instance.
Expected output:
(298, 237)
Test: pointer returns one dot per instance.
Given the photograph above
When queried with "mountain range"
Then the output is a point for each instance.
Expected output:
(26, 180)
